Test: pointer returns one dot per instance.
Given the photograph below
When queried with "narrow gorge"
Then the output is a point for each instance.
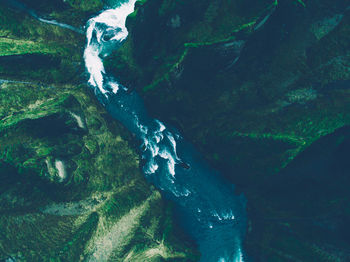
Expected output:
(162, 130)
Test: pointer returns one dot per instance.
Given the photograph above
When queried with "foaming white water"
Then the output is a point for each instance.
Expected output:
(95, 67)
(161, 126)
(112, 20)
(224, 215)
(209, 207)
(239, 258)
(153, 143)
(114, 86)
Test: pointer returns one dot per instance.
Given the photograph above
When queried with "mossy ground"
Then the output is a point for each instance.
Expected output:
(71, 186)
(254, 117)
(36, 51)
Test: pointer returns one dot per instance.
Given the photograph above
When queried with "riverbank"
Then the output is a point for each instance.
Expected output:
(72, 188)
(253, 116)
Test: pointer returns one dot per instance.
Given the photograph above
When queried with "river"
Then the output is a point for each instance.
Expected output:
(206, 205)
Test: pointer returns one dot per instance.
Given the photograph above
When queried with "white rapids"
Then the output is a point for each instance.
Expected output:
(206, 205)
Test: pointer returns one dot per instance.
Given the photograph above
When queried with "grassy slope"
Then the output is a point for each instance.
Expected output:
(65, 212)
(282, 73)
(251, 120)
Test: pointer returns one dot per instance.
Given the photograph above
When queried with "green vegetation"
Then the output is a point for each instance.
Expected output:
(86, 5)
(301, 2)
(36, 51)
(18, 47)
(189, 25)
(274, 122)
(71, 181)
(87, 197)
(258, 117)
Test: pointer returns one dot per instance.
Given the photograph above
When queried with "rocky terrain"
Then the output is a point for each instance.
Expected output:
(262, 90)
(71, 187)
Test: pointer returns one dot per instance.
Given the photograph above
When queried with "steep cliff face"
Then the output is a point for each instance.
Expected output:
(256, 86)
(71, 188)
(301, 214)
